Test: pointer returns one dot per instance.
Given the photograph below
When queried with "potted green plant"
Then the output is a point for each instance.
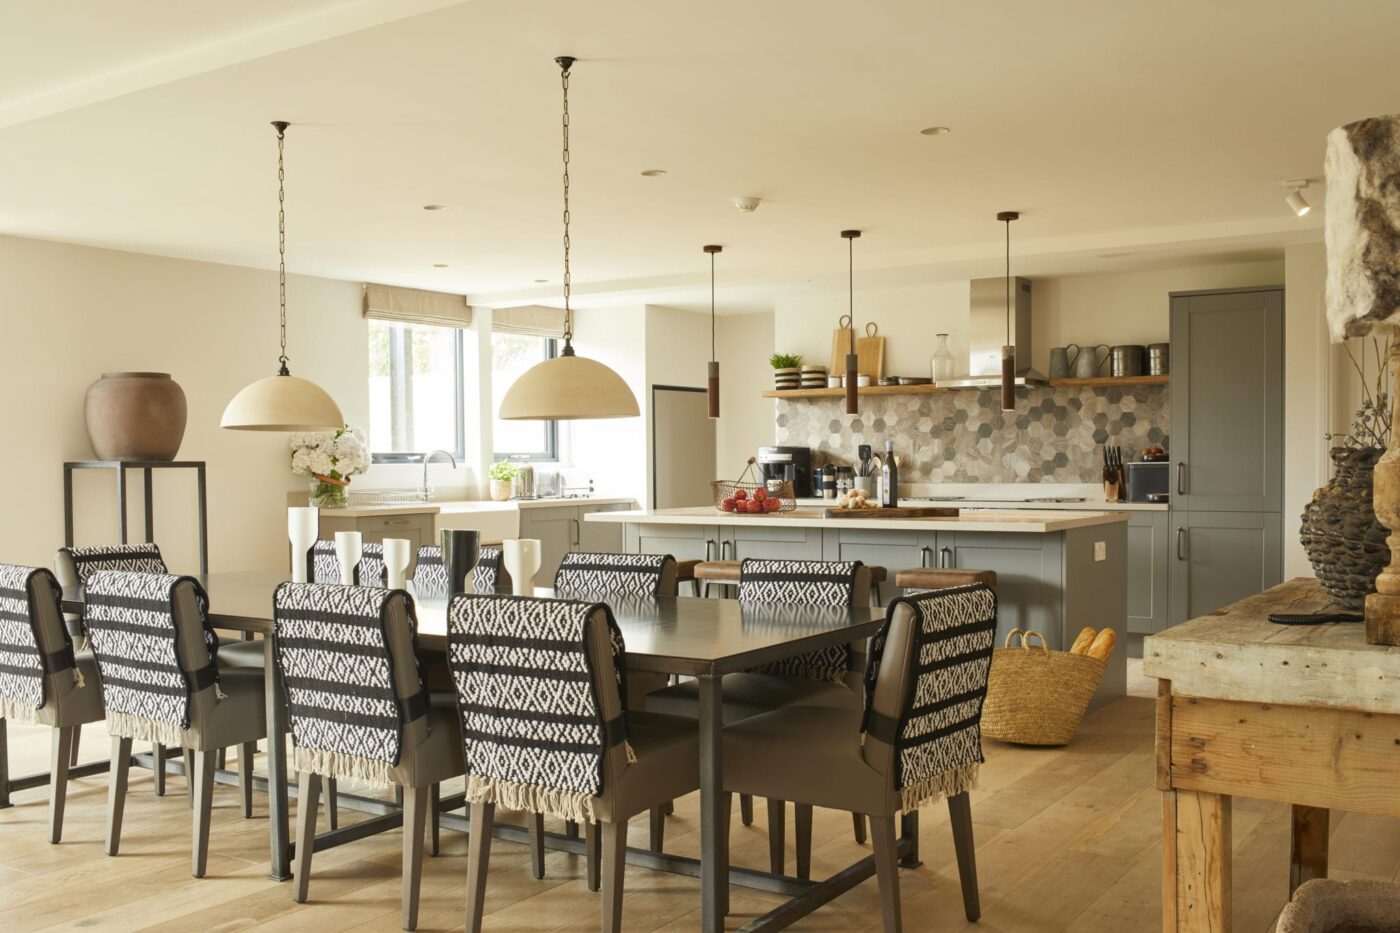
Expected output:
(787, 370)
(502, 474)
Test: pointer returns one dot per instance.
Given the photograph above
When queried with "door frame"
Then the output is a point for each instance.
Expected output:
(657, 387)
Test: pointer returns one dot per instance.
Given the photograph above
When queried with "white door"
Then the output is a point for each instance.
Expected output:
(683, 448)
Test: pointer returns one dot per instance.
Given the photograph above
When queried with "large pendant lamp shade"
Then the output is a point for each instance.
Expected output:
(1008, 350)
(282, 402)
(568, 387)
(852, 361)
(712, 383)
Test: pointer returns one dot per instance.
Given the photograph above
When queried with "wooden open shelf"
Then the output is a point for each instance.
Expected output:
(1093, 382)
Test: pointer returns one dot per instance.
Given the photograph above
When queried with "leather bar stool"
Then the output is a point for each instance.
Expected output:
(942, 578)
(685, 573)
(721, 572)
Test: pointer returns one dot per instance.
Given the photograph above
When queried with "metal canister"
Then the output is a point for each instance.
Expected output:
(1159, 359)
(1127, 360)
(829, 481)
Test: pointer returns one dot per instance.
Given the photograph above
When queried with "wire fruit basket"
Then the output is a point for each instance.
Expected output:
(738, 496)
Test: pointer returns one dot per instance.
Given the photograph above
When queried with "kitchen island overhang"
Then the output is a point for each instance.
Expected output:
(1056, 571)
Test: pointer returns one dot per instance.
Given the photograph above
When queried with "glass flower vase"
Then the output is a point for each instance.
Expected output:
(327, 494)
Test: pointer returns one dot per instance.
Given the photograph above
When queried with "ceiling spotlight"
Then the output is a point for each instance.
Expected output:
(1295, 199)
(434, 207)
(653, 172)
(935, 131)
(746, 205)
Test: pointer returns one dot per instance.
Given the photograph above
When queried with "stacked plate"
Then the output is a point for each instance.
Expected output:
(813, 377)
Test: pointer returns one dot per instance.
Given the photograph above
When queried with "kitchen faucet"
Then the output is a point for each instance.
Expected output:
(425, 492)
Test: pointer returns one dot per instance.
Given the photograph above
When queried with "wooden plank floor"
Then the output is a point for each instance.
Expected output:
(1067, 839)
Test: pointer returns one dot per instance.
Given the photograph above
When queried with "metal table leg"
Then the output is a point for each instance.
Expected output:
(714, 853)
(277, 810)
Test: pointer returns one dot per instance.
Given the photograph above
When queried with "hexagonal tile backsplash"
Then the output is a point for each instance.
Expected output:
(1054, 436)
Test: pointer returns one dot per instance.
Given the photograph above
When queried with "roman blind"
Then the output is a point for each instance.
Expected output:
(535, 320)
(416, 306)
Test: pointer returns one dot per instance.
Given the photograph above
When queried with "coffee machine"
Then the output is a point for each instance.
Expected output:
(788, 464)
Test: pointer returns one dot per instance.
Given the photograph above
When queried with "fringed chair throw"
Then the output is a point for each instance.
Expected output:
(938, 736)
(430, 574)
(806, 582)
(139, 558)
(333, 648)
(23, 662)
(532, 724)
(601, 574)
(370, 571)
(132, 623)
(486, 576)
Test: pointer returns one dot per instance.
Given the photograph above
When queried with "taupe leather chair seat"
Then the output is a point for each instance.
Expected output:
(437, 754)
(80, 705)
(239, 653)
(241, 716)
(942, 578)
(667, 766)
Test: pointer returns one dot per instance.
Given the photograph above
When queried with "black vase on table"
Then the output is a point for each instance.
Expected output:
(1344, 541)
(460, 552)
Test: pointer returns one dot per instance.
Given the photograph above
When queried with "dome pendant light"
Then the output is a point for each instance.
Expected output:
(568, 387)
(282, 402)
(852, 362)
(1008, 351)
(712, 387)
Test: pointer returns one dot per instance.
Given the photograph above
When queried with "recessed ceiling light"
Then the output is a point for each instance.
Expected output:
(653, 172)
(439, 265)
(541, 281)
(1113, 255)
(434, 207)
(935, 131)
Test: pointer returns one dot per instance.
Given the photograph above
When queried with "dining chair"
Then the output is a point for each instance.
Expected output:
(830, 677)
(430, 576)
(583, 573)
(73, 566)
(917, 738)
(358, 708)
(163, 681)
(370, 571)
(42, 679)
(595, 763)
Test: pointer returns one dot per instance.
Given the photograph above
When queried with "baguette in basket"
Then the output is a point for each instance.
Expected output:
(1036, 696)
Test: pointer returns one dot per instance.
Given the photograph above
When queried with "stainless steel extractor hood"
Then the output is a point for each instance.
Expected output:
(986, 334)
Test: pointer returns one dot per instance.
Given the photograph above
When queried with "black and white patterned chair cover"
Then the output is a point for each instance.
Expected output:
(582, 574)
(533, 729)
(938, 737)
(372, 570)
(430, 574)
(131, 622)
(23, 662)
(486, 575)
(139, 558)
(325, 565)
(805, 582)
(336, 655)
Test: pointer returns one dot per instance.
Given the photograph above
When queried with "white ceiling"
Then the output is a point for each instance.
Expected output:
(1146, 128)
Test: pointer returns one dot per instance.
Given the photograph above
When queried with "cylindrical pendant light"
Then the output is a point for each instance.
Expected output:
(1008, 350)
(712, 386)
(569, 386)
(852, 362)
(282, 402)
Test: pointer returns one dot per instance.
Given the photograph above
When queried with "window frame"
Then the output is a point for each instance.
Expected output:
(460, 425)
(551, 452)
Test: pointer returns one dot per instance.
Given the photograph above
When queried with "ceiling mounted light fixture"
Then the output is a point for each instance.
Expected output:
(653, 172)
(852, 362)
(1295, 200)
(1008, 350)
(935, 131)
(568, 387)
(747, 205)
(712, 383)
(282, 402)
(434, 207)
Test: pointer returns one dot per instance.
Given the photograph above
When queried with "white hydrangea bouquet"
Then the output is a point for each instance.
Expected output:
(330, 459)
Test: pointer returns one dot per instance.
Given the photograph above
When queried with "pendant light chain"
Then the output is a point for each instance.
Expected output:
(564, 64)
(282, 244)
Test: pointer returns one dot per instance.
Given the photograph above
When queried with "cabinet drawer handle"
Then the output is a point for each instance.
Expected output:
(925, 556)
(1181, 477)
(724, 550)
(576, 530)
(945, 557)
(1180, 540)
(709, 549)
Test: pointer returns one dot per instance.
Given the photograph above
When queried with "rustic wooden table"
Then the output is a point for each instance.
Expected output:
(1308, 715)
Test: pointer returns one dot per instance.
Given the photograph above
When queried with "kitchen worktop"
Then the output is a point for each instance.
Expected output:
(457, 506)
(1011, 496)
(1022, 521)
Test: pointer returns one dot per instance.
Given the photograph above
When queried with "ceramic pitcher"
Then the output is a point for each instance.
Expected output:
(1088, 363)
(1061, 362)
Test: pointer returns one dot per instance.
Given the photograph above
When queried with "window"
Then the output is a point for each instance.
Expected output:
(415, 390)
(511, 356)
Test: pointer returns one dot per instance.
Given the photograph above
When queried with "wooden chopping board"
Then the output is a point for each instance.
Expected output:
(840, 346)
(913, 511)
(870, 353)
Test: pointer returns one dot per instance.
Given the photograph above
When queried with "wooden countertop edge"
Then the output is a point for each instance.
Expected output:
(1011, 521)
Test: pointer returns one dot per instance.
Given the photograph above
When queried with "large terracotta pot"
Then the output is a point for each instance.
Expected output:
(1344, 541)
(135, 416)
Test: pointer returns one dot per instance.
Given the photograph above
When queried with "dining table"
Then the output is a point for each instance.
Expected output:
(706, 639)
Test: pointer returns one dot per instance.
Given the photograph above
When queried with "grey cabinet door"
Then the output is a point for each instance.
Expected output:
(1149, 571)
(599, 537)
(893, 550)
(683, 542)
(1221, 557)
(1029, 569)
(1227, 400)
(773, 542)
(555, 528)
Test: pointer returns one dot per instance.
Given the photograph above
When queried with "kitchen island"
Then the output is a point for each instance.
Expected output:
(1057, 571)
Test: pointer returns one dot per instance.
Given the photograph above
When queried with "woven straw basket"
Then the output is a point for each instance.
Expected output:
(1036, 696)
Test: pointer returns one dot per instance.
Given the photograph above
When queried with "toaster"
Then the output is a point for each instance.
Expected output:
(1147, 481)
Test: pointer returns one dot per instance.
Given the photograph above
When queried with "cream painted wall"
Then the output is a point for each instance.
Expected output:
(745, 342)
(613, 451)
(1309, 374)
(70, 313)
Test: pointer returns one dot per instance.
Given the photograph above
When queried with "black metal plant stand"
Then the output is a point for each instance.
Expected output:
(120, 468)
